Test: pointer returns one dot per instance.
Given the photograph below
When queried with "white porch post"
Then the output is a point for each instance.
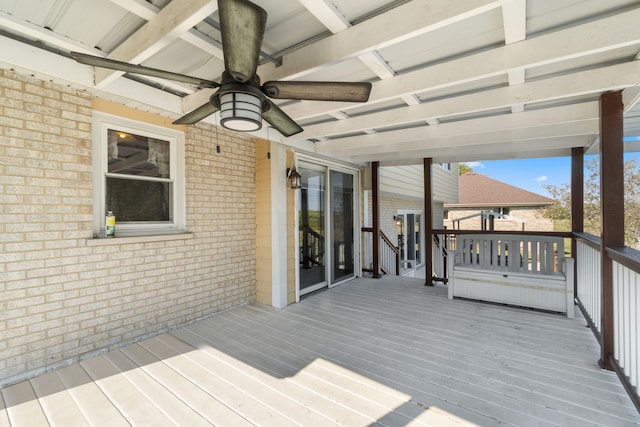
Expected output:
(278, 225)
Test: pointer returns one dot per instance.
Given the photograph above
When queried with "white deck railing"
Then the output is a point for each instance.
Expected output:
(626, 321)
(589, 280)
(389, 254)
(626, 303)
(519, 253)
(441, 243)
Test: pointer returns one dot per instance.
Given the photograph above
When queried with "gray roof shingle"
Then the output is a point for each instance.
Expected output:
(480, 190)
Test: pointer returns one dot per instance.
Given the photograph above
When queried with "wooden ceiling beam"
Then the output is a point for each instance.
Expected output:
(609, 33)
(170, 23)
(409, 20)
(326, 12)
(402, 23)
(545, 147)
(464, 142)
(36, 32)
(514, 17)
(148, 11)
(527, 121)
(140, 8)
(588, 82)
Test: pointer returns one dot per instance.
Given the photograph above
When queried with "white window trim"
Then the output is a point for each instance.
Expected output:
(101, 123)
(446, 166)
(327, 166)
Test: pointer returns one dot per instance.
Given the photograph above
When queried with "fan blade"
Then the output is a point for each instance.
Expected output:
(279, 120)
(196, 115)
(318, 91)
(112, 64)
(242, 25)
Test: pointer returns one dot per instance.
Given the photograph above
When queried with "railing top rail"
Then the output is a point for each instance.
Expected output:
(384, 237)
(563, 234)
(313, 232)
(511, 237)
(588, 239)
(389, 243)
(628, 257)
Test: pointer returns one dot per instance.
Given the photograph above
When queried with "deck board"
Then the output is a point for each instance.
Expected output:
(93, 403)
(4, 415)
(23, 407)
(375, 362)
(185, 391)
(386, 352)
(173, 409)
(125, 396)
(313, 408)
(56, 401)
(176, 355)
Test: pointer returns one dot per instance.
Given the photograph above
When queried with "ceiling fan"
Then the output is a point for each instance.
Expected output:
(242, 101)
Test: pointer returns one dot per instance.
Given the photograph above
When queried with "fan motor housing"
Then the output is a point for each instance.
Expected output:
(240, 104)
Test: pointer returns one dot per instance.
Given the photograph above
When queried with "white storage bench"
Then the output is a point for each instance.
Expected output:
(520, 270)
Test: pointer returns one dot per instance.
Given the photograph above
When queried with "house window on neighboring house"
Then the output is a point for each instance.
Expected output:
(445, 214)
(138, 175)
(503, 211)
(446, 166)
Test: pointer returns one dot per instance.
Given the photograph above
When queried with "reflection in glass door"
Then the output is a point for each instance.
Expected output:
(413, 240)
(410, 238)
(311, 220)
(342, 226)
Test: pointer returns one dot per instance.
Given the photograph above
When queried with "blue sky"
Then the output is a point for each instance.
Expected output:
(531, 174)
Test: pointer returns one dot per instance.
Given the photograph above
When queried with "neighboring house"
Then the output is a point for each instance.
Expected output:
(509, 208)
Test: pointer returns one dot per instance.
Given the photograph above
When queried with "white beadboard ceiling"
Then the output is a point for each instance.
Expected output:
(453, 80)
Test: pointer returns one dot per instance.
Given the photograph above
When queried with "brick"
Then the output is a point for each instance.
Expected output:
(21, 246)
(93, 297)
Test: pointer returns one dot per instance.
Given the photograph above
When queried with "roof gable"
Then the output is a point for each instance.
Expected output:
(480, 190)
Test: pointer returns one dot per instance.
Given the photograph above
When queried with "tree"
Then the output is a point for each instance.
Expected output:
(463, 168)
(561, 209)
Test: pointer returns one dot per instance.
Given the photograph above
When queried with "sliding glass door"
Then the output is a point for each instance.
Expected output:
(342, 194)
(326, 238)
(312, 236)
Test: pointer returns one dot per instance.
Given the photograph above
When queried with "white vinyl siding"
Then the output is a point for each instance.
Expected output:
(408, 181)
(445, 184)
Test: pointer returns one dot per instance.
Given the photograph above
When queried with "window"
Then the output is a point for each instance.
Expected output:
(138, 175)
(446, 166)
(503, 211)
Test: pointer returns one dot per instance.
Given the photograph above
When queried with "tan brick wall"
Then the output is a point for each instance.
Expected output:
(64, 296)
(389, 207)
(533, 220)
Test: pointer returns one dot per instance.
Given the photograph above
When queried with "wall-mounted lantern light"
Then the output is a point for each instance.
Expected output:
(295, 177)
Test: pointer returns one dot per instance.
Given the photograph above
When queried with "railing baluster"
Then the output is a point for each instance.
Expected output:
(389, 254)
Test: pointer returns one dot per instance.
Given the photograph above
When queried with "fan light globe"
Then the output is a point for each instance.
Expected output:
(241, 112)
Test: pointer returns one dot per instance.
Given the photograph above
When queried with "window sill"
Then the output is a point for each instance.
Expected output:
(105, 241)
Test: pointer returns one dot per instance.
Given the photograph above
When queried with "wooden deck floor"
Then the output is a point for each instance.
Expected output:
(370, 352)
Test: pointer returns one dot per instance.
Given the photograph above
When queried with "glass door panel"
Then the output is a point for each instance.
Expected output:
(410, 240)
(342, 217)
(311, 220)
(418, 239)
